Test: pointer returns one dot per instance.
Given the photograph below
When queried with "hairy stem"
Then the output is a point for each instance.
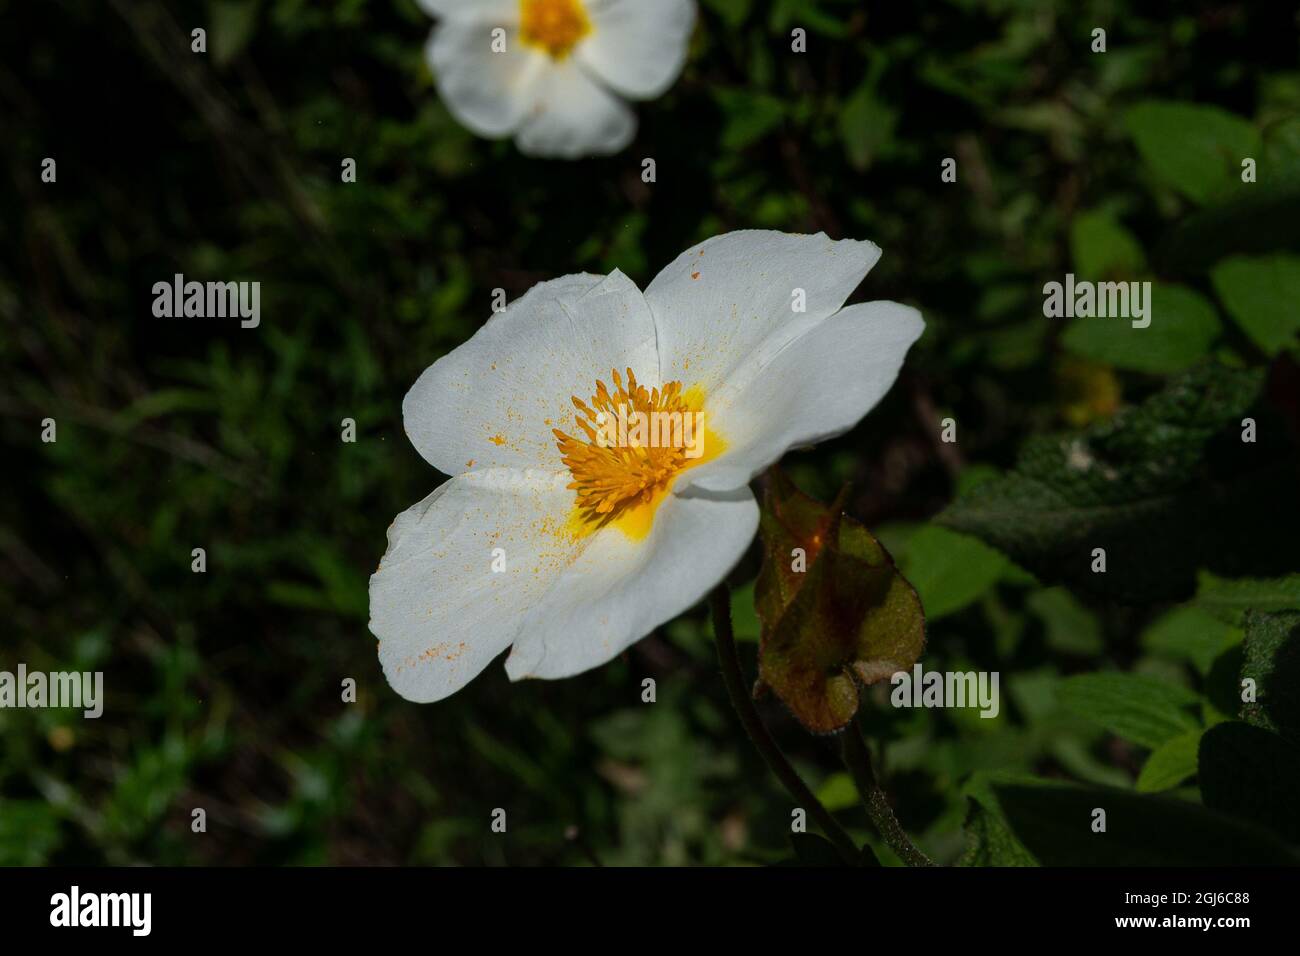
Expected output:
(734, 679)
(858, 759)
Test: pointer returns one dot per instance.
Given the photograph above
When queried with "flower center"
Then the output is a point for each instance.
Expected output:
(637, 441)
(555, 26)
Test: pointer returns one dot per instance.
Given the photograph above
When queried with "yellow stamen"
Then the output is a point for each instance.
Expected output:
(624, 480)
(555, 26)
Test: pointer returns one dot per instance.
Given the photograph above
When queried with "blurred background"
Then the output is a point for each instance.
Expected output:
(223, 689)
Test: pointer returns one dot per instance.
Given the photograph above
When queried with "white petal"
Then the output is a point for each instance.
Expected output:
(818, 387)
(493, 401)
(503, 11)
(620, 589)
(638, 47)
(487, 92)
(724, 308)
(439, 610)
(573, 116)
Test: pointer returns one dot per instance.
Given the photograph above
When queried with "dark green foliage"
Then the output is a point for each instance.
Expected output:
(1147, 712)
(1055, 824)
(1254, 774)
(1272, 662)
(1165, 489)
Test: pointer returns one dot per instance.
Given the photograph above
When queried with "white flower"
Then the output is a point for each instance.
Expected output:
(553, 72)
(568, 551)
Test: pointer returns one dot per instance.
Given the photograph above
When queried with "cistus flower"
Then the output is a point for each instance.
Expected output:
(553, 73)
(582, 514)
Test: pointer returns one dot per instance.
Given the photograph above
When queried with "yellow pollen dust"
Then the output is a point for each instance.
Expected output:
(555, 26)
(624, 480)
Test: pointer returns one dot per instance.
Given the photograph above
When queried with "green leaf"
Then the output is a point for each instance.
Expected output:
(811, 849)
(1071, 627)
(748, 116)
(787, 13)
(1145, 711)
(233, 25)
(1191, 634)
(1261, 219)
(838, 792)
(866, 126)
(836, 613)
(1184, 325)
(1164, 489)
(1170, 764)
(1252, 774)
(1282, 145)
(867, 856)
(1055, 823)
(1263, 296)
(1272, 661)
(733, 12)
(1103, 249)
(990, 841)
(1195, 149)
(1223, 682)
(1229, 599)
(30, 832)
(744, 618)
(950, 570)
